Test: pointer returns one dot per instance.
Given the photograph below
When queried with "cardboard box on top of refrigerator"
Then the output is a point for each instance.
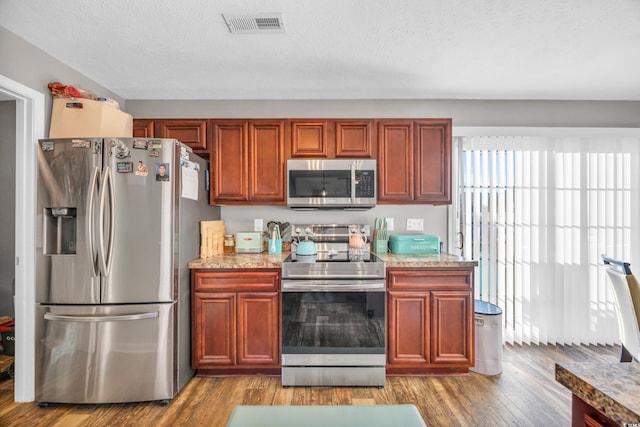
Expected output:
(83, 118)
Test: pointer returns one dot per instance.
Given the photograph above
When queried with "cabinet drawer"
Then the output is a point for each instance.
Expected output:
(429, 279)
(236, 281)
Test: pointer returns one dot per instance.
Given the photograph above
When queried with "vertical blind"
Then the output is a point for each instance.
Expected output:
(537, 212)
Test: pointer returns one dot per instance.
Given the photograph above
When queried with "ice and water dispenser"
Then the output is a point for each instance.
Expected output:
(60, 231)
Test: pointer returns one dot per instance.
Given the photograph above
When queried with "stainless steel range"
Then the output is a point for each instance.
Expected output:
(333, 310)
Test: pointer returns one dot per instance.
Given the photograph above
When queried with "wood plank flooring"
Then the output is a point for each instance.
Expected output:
(525, 394)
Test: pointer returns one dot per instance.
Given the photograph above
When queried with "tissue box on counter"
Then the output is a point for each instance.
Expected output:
(86, 118)
(414, 244)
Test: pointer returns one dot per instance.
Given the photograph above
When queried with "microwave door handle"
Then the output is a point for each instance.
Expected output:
(353, 182)
(90, 219)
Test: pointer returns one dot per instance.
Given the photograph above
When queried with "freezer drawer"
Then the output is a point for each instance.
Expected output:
(104, 354)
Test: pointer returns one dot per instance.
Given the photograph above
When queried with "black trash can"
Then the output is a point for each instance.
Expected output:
(488, 346)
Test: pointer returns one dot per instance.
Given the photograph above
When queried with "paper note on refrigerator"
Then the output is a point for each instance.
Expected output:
(189, 181)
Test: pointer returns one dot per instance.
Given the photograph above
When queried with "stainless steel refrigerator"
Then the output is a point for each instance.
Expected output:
(118, 221)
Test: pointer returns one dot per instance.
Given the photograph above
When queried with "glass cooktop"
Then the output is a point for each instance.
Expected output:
(329, 257)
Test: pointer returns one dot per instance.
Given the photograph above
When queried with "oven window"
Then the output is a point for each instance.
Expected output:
(333, 322)
(329, 183)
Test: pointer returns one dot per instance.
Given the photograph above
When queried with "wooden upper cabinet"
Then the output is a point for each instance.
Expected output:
(395, 161)
(229, 157)
(191, 132)
(249, 162)
(143, 128)
(309, 139)
(267, 167)
(414, 161)
(433, 161)
(332, 138)
(354, 138)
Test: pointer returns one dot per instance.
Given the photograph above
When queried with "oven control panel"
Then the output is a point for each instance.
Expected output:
(332, 231)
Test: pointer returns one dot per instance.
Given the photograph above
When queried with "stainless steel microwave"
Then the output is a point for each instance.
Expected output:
(331, 183)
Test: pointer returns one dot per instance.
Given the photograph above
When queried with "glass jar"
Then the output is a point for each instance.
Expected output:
(229, 244)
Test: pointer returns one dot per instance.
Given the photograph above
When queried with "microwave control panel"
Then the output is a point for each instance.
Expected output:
(365, 183)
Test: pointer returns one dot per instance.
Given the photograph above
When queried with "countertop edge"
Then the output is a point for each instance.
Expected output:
(598, 399)
(264, 261)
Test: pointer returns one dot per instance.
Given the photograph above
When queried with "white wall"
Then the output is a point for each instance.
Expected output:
(240, 218)
(34, 68)
(463, 112)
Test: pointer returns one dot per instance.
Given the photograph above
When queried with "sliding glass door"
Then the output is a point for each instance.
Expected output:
(537, 212)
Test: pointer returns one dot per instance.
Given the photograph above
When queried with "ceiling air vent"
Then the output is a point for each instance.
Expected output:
(255, 23)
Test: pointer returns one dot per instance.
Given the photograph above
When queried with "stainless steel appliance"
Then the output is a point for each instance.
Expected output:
(331, 183)
(333, 311)
(118, 222)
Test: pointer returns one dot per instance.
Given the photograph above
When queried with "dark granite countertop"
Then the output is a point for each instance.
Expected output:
(611, 388)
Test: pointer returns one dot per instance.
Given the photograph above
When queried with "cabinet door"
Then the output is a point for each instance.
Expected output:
(395, 161)
(409, 330)
(230, 159)
(258, 331)
(309, 139)
(213, 329)
(433, 161)
(143, 128)
(268, 162)
(353, 139)
(451, 328)
(191, 132)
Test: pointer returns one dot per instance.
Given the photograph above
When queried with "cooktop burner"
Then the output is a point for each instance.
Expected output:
(335, 258)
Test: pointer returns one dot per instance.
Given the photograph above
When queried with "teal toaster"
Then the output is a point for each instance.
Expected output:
(414, 244)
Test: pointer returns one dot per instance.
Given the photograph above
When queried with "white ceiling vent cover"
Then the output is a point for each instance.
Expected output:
(255, 23)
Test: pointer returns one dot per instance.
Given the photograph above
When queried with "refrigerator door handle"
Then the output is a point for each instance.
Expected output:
(90, 223)
(105, 255)
(101, 318)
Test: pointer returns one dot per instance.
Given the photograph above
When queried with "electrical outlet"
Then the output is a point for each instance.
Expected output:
(258, 224)
(389, 224)
(415, 224)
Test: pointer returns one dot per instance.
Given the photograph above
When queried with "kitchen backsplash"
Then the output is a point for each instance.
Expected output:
(241, 218)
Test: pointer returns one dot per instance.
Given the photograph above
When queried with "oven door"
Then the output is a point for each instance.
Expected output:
(333, 322)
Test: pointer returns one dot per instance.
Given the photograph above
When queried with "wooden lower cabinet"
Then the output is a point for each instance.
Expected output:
(585, 415)
(236, 322)
(430, 321)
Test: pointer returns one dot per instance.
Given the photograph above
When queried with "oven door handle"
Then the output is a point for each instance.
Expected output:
(331, 286)
(328, 277)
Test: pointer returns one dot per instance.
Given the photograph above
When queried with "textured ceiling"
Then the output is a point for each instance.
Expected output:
(344, 49)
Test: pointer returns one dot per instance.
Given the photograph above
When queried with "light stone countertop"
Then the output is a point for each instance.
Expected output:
(235, 261)
(264, 260)
(442, 260)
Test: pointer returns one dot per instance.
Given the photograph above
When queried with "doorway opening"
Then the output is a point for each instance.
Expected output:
(29, 127)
